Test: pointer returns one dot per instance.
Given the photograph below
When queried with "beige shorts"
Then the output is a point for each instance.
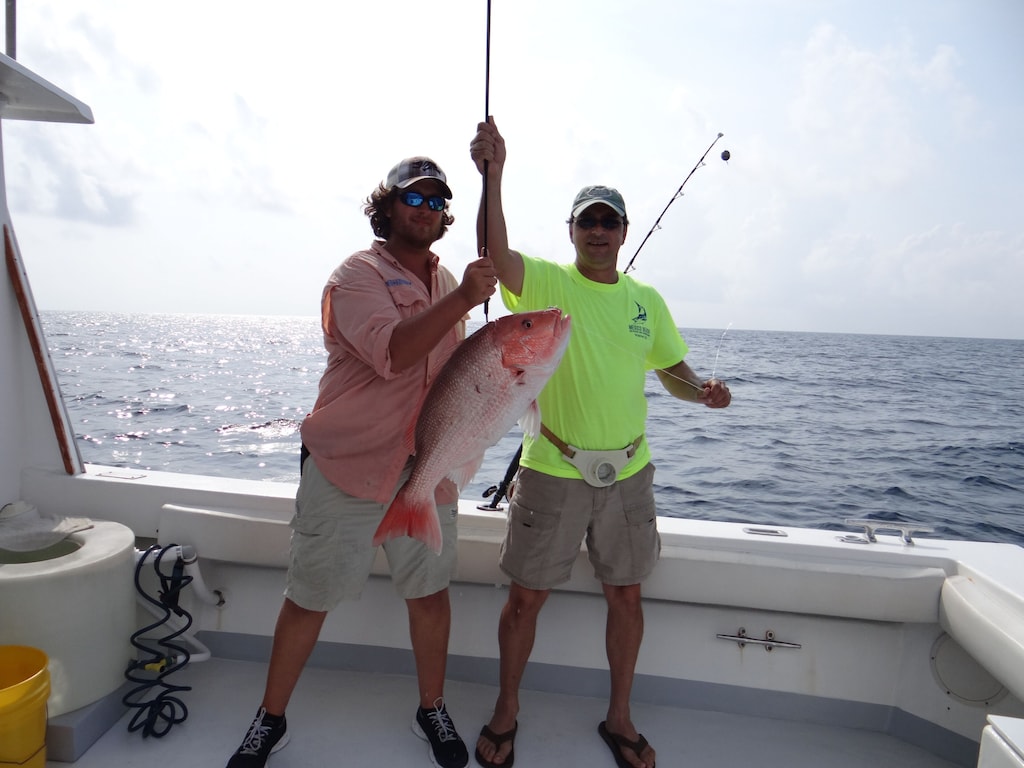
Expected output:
(332, 554)
(549, 517)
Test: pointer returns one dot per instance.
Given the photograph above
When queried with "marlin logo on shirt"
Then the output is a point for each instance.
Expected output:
(397, 281)
(638, 325)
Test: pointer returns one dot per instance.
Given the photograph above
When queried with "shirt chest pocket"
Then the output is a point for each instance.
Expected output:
(409, 298)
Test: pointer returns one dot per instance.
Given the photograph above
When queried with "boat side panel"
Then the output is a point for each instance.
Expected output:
(989, 624)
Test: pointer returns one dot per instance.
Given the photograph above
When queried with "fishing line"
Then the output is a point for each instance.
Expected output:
(715, 366)
(487, 116)
(679, 193)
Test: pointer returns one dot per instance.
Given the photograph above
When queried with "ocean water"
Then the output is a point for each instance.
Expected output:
(823, 427)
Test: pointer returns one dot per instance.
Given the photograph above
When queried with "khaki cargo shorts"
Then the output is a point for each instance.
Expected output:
(549, 517)
(332, 554)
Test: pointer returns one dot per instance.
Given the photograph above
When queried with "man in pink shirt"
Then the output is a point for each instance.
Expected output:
(391, 317)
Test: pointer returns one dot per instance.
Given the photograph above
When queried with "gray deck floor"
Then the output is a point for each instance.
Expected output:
(339, 718)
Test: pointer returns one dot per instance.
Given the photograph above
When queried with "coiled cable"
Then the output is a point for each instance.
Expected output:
(156, 716)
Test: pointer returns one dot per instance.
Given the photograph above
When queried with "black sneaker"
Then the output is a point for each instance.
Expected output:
(435, 725)
(267, 734)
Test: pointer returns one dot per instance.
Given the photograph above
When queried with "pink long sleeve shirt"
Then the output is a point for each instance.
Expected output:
(359, 433)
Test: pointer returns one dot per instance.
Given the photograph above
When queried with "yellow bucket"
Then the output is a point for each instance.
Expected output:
(24, 689)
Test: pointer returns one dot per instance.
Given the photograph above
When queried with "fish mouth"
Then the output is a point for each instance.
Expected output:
(563, 325)
(562, 332)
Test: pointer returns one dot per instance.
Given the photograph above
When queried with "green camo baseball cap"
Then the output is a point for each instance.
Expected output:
(588, 196)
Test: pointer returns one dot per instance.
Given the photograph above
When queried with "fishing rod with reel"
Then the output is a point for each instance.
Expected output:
(497, 492)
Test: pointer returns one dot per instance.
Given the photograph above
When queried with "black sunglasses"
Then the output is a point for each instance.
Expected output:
(414, 200)
(606, 222)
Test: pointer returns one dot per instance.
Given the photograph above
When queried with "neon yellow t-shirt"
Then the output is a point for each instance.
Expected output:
(595, 400)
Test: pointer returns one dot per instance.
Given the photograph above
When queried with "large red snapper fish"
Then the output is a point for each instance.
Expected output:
(491, 381)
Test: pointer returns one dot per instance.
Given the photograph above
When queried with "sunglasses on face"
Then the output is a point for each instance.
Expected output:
(606, 222)
(415, 200)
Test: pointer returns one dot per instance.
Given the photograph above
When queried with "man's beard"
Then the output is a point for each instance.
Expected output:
(415, 236)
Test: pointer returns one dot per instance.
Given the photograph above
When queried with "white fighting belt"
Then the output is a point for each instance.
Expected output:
(598, 468)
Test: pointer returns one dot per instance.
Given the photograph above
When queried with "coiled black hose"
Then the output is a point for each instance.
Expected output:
(155, 716)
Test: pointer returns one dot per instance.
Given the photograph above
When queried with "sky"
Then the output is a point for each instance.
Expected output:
(875, 182)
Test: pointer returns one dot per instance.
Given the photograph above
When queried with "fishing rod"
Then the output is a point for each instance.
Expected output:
(500, 491)
(487, 115)
(679, 193)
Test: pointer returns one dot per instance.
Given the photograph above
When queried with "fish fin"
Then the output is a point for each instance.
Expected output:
(409, 438)
(462, 476)
(530, 421)
(410, 517)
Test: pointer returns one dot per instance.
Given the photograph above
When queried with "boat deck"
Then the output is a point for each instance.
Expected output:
(350, 718)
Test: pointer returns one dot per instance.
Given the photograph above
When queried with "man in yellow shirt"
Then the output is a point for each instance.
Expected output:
(588, 475)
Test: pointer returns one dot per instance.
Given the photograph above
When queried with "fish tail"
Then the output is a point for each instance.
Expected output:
(408, 517)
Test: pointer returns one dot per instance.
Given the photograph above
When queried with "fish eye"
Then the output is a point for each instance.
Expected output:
(527, 323)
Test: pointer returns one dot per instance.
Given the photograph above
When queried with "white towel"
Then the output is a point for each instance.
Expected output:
(24, 529)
